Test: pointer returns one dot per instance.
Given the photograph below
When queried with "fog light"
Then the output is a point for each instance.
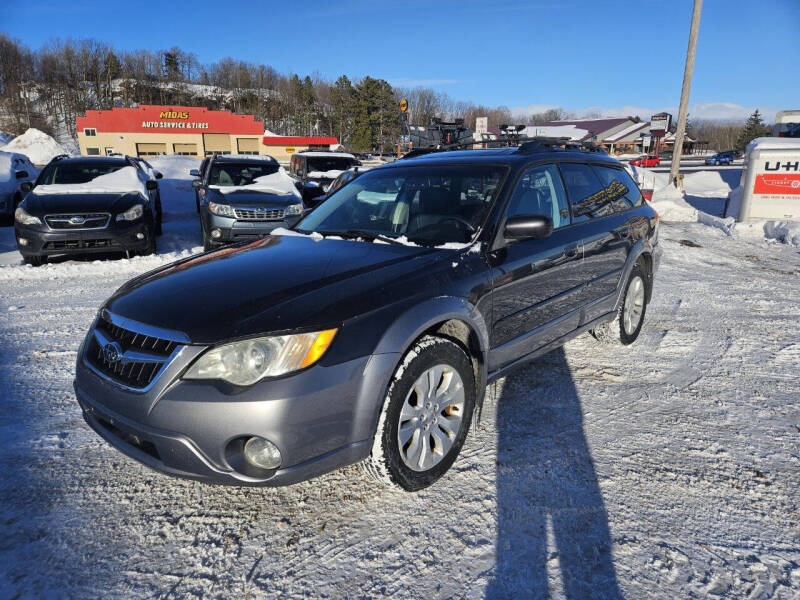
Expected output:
(262, 453)
(22, 242)
(216, 234)
(140, 236)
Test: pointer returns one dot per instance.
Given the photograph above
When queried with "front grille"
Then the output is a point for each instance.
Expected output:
(259, 214)
(80, 244)
(139, 357)
(78, 221)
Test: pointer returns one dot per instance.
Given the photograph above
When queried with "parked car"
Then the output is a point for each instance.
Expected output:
(87, 205)
(314, 172)
(343, 179)
(722, 158)
(243, 198)
(646, 161)
(15, 170)
(370, 333)
(154, 175)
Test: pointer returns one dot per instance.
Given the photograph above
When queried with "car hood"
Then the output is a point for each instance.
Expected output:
(40, 205)
(277, 283)
(252, 198)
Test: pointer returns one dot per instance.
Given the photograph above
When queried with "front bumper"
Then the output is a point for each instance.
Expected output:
(320, 419)
(117, 237)
(233, 230)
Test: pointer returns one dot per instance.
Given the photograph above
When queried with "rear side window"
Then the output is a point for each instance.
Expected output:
(540, 192)
(620, 187)
(586, 193)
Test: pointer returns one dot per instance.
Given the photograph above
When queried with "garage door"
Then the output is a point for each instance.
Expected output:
(247, 145)
(150, 149)
(185, 149)
(217, 143)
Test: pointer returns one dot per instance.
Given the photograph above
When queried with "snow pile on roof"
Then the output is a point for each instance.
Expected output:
(5, 138)
(126, 180)
(773, 143)
(39, 147)
(569, 131)
(332, 174)
(277, 183)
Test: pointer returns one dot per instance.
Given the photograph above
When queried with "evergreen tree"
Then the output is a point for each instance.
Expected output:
(753, 128)
(342, 95)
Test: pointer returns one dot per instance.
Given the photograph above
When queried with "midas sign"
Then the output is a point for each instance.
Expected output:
(173, 114)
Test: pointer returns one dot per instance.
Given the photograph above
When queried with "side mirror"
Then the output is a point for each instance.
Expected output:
(528, 227)
(194, 173)
(22, 174)
(196, 183)
(26, 186)
(298, 184)
(159, 175)
(151, 185)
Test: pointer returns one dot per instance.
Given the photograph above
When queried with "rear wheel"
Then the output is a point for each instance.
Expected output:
(426, 415)
(627, 324)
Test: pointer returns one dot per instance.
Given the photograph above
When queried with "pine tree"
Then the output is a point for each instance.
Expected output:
(753, 128)
(342, 95)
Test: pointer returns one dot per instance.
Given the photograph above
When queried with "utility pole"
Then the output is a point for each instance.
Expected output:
(687, 86)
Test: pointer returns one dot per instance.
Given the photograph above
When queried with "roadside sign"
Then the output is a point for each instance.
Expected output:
(290, 150)
(403, 105)
(660, 123)
(646, 139)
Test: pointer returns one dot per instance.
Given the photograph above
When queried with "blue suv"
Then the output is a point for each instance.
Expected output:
(722, 158)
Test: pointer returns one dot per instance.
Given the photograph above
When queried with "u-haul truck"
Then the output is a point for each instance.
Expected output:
(770, 183)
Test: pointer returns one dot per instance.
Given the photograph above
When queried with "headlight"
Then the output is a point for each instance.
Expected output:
(23, 218)
(134, 212)
(223, 210)
(294, 209)
(312, 184)
(249, 361)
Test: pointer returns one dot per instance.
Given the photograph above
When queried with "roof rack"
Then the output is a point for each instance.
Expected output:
(59, 157)
(524, 145)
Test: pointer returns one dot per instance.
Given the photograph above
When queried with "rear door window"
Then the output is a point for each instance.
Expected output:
(587, 194)
(620, 189)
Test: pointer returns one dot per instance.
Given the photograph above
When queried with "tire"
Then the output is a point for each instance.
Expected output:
(151, 246)
(437, 428)
(35, 260)
(636, 294)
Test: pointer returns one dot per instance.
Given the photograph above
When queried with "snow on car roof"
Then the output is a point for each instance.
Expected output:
(125, 180)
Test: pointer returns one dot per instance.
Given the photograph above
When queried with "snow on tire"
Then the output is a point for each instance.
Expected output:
(425, 416)
(627, 323)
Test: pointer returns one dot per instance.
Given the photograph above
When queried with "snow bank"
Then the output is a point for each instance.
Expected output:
(39, 147)
(786, 232)
(277, 183)
(670, 205)
(125, 180)
(706, 184)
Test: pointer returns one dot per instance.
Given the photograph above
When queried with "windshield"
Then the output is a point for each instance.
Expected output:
(328, 163)
(430, 205)
(224, 174)
(56, 173)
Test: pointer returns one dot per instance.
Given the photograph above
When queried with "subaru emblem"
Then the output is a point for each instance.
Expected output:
(112, 353)
(77, 220)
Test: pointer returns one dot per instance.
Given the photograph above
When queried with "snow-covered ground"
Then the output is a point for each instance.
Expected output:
(668, 469)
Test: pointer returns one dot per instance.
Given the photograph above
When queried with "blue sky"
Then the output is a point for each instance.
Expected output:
(603, 55)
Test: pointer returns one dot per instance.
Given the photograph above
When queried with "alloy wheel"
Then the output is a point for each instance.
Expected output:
(430, 418)
(634, 305)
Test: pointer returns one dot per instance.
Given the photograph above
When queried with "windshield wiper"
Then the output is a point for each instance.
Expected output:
(360, 233)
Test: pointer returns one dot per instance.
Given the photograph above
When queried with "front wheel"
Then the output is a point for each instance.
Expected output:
(426, 415)
(35, 260)
(627, 324)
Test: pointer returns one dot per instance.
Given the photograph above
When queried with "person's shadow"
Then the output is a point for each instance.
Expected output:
(546, 481)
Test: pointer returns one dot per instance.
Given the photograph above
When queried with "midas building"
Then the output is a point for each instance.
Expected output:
(188, 130)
